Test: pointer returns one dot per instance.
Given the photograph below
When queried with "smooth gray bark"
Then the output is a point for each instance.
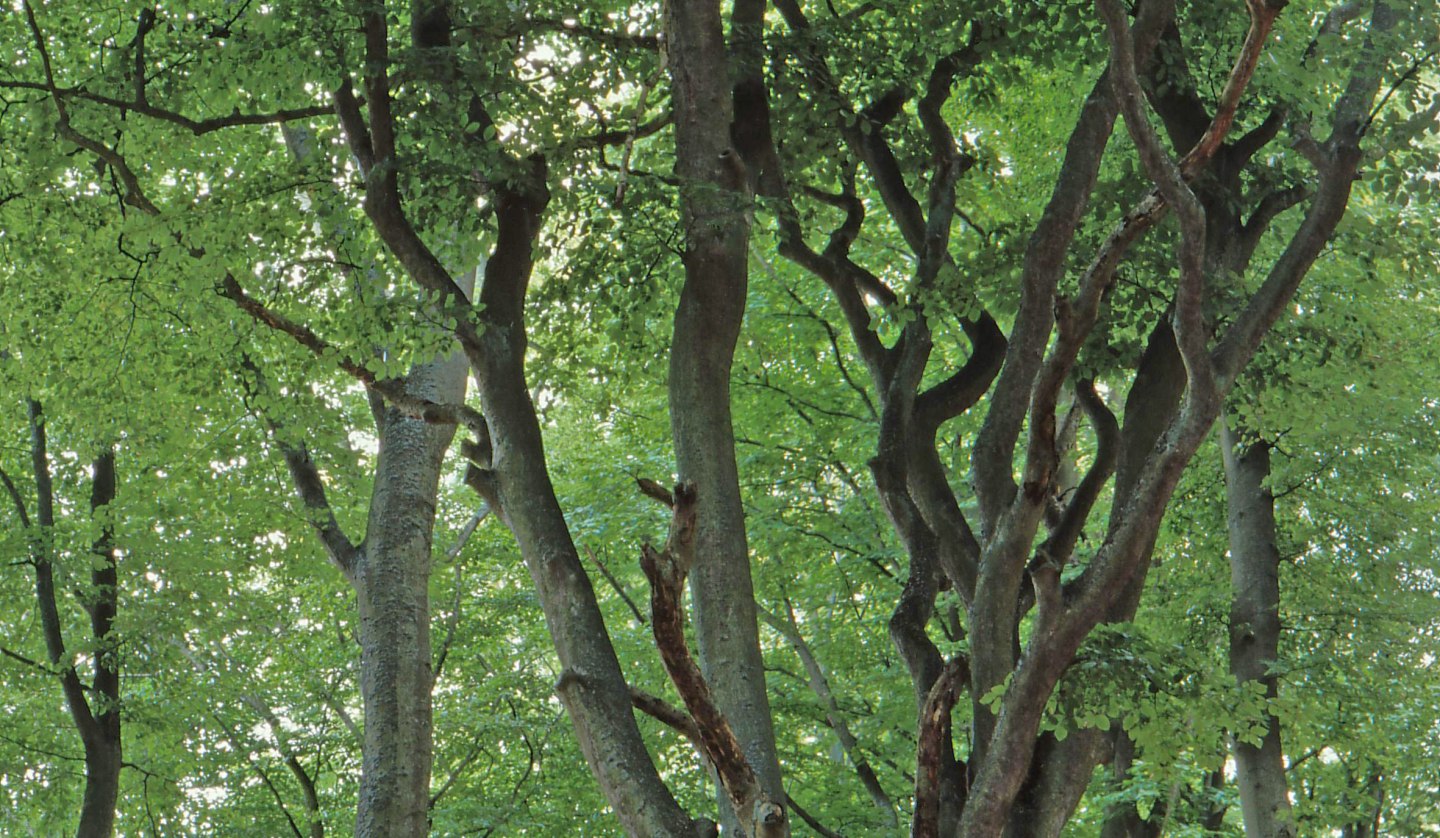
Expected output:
(1255, 629)
(715, 202)
(517, 484)
(391, 579)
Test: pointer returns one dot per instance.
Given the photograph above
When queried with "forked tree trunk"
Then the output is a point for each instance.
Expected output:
(94, 709)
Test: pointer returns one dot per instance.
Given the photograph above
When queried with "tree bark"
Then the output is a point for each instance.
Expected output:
(715, 202)
(1255, 628)
(391, 578)
(103, 749)
(1124, 820)
(96, 717)
(508, 455)
(514, 477)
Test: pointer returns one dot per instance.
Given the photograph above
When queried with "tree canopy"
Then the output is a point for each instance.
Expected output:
(764, 418)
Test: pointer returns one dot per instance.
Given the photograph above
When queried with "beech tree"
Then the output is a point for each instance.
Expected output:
(1013, 260)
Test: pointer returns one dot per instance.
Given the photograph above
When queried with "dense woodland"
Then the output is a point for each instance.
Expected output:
(813, 417)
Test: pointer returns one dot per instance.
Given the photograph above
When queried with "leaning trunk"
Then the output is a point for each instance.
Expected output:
(513, 477)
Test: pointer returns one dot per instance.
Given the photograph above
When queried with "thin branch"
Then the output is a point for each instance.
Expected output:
(13, 655)
(198, 127)
(309, 485)
(16, 498)
(393, 390)
(809, 819)
(604, 37)
(667, 714)
(619, 589)
(625, 138)
(819, 684)
(344, 716)
(455, 773)
(452, 622)
(134, 193)
(467, 531)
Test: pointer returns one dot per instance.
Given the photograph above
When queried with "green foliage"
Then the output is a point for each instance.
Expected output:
(236, 638)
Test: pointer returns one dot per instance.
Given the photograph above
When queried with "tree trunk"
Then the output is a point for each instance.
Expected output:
(392, 576)
(97, 716)
(1123, 820)
(517, 483)
(715, 201)
(1255, 629)
(102, 743)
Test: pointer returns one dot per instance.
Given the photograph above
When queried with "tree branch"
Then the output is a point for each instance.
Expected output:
(198, 127)
(16, 498)
(393, 390)
(666, 569)
(667, 714)
(931, 749)
(788, 628)
(45, 601)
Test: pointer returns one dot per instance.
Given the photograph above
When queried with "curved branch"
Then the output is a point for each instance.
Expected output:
(666, 569)
(1061, 542)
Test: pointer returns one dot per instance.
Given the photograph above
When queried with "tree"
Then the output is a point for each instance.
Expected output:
(1046, 342)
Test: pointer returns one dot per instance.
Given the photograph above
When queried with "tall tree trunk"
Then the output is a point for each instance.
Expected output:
(1255, 629)
(392, 577)
(508, 455)
(96, 716)
(103, 746)
(715, 200)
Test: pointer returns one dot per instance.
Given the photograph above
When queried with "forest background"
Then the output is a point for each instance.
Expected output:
(793, 418)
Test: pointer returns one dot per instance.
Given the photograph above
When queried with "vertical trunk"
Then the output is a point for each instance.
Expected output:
(392, 575)
(1060, 776)
(1255, 629)
(102, 746)
(1124, 820)
(102, 788)
(715, 202)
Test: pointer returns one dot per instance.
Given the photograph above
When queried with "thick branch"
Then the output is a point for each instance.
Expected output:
(1339, 159)
(1191, 334)
(1061, 542)
(931, 750)
(45, 601)
(666, 569)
